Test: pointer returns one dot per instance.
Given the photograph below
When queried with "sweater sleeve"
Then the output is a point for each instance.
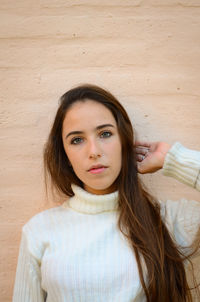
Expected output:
(28, 277)
(182, 217)
(183, 164)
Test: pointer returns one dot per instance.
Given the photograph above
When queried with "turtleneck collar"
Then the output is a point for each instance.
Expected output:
(89, 203)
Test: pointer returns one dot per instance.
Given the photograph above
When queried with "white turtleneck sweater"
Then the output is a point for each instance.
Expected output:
(75, 252)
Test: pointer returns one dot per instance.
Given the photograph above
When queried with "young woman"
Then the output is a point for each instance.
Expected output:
(110, 241)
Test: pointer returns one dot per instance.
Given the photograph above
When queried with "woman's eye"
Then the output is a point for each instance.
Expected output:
(106, 134)
(76, 140)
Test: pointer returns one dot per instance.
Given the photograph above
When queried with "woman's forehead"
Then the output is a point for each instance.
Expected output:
(88, 114)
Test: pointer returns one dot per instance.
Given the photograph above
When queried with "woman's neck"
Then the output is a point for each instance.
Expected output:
(88, 203)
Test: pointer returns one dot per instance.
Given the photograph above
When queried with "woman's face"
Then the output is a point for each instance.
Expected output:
(92, 145)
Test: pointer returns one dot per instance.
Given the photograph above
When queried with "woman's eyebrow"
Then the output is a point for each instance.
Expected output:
(103, 126)
(97, 128)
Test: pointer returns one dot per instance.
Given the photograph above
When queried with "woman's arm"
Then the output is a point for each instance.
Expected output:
(176, 161)
(28, 277)
(182, 217)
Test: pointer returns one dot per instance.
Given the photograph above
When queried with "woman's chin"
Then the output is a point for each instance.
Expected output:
(100, 189)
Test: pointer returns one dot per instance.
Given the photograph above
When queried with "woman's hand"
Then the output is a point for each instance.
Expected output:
(150, 156)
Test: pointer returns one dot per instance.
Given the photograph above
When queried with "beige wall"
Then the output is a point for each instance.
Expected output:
(146, 52)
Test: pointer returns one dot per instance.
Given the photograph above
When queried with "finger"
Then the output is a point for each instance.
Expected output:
(142, 144)
(140, 168)
(143, 167)
(140, 157)
(140, 150)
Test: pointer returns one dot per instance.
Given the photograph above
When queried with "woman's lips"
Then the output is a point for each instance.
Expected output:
(97, 170)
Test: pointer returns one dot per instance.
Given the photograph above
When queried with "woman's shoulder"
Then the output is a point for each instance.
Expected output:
(45, 219)
(182, 208)
(182, 217)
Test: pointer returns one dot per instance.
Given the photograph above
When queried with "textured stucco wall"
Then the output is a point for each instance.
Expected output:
(146, 52)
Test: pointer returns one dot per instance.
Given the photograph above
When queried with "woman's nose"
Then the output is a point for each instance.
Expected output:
(94, 156)
(94, 150)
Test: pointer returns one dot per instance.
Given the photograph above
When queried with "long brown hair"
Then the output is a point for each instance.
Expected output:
(139, 220)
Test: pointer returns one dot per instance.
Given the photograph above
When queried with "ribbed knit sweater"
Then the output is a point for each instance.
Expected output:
(75, 252)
